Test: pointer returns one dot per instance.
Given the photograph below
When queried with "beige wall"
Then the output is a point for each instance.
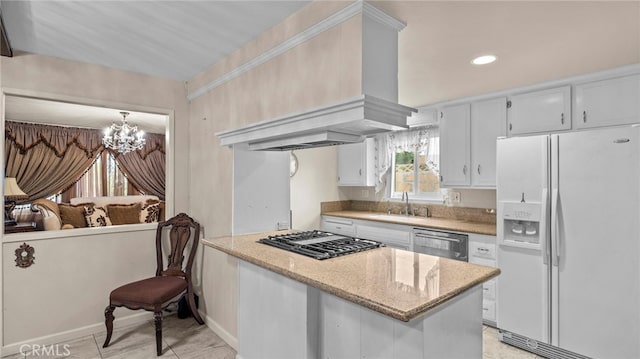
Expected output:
(322, 70)
(94, 84)
(67, 289)
(314, 182)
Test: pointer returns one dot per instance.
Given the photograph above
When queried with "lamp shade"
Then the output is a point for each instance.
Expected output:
(11, 189)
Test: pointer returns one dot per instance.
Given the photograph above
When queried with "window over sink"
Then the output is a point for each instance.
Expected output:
(414, 167)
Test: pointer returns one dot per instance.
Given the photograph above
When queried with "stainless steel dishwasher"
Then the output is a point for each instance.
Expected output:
(441, 244)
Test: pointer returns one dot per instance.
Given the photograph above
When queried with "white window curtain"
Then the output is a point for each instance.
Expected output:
(388, 144)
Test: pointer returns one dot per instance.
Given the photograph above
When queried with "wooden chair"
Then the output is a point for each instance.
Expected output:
(168, 286)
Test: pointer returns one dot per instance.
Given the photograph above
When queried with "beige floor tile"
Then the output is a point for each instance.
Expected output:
(188, 339)
(14, 356)
(136, 339)
(83, 348)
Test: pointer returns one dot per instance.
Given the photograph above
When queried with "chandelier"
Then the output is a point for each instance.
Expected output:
(123, 138)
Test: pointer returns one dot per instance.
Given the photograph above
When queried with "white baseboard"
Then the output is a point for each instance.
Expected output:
(136, 318)
(73, 334)
(228, 338)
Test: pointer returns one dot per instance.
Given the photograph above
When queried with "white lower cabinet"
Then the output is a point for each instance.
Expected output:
(338, 225)
(392, 235)
(482, 250)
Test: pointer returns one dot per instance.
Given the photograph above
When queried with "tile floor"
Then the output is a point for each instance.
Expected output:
(185, 339)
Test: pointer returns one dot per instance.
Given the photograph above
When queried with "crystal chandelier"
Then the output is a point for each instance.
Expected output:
(123, 138)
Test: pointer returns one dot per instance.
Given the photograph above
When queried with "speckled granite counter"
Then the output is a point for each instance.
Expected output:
(397, 283)
(430, 222)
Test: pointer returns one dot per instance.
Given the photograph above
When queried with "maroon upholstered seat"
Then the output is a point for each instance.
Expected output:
(168, 286)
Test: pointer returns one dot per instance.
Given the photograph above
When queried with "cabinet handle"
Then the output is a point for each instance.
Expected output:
(584, 116)
(441, 114)
(441, 179)
(510, 126)
(478, 169)
(464, 169)
(360, 172)
(338, 178)
(562, 118)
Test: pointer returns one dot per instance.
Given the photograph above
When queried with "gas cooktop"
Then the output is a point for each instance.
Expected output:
(319, 244)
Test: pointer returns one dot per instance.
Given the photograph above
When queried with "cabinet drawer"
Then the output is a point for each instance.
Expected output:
(489, 289)
(489, 310)
(482, 250)
(339, 226)
(482, 261)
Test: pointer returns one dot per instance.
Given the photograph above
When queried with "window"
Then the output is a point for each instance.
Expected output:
(102, 179)
(414, 164)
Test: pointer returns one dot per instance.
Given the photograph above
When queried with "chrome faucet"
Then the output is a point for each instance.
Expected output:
(405, 198)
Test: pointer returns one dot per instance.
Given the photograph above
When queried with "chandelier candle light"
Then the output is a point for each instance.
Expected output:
(123, 138)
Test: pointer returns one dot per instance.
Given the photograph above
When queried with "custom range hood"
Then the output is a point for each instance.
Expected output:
(345, 122)
(374, 111)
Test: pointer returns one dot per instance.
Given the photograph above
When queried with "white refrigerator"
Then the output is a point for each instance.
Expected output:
(569, 243)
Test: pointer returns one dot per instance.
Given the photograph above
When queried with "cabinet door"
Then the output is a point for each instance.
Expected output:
(482, 250)
(488, 122)
(356, 164)
(608, 102)
(454, 146)
(392, 235)
(540, 111)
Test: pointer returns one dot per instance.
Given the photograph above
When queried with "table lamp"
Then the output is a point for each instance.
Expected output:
(12, 192)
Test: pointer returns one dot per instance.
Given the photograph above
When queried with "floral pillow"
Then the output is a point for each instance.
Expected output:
(96, 216)
(150, 213)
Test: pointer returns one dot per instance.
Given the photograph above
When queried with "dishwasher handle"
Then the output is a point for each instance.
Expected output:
(455, 237)
(420, 235)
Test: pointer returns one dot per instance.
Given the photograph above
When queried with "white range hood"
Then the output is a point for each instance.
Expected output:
(345, 122)
(374, 111)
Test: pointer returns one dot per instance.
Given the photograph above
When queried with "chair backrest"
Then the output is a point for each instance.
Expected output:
(180, 234)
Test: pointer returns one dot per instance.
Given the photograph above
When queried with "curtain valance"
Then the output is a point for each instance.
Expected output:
(26, 136)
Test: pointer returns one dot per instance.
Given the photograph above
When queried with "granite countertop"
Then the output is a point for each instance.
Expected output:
(430, 222)
(394, 282)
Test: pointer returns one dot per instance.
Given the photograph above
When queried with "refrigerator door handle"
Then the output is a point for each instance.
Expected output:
(545, 246)
(554, 227)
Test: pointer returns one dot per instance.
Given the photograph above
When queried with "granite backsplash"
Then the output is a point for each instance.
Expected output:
(480, 215)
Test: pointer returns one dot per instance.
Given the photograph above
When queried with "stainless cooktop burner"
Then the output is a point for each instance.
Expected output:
(319, 244)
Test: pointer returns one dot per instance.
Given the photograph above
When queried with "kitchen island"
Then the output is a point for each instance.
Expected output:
(378, 303)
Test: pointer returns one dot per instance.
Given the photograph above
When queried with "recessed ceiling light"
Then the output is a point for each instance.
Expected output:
(484, 59)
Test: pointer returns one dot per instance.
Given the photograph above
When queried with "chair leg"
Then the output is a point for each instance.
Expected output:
(157, 318)
(191, 302)
(108, 322)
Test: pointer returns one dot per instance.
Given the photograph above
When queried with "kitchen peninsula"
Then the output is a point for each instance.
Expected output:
(382, 302)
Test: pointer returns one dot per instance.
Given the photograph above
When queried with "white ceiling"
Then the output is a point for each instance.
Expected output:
(171, 39)
(535, 41)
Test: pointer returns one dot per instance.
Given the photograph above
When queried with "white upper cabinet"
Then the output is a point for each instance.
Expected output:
(607, 103)
(356, 164)
(488, 122)
(540, 111)
(424, 117)
(455, 126)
